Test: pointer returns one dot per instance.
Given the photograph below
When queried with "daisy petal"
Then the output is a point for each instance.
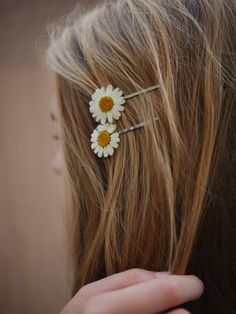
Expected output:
(100, 152)
(94, 145)
(92, 102)
(116, 115)
(105, 152)
(115, 135)
(91, 109)
(109, 90)
(101, 127)
(111, 128)
(115, 145)
(109, 117)
(110, 150)
(96, 149)
(94, 116)
(120, 101)
(94, 139)
(95, 133)
(116, 90)
(103, 120)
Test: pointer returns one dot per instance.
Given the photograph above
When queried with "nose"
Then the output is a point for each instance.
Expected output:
(57, 163)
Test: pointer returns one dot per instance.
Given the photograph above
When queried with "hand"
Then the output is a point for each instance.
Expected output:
(135, 291)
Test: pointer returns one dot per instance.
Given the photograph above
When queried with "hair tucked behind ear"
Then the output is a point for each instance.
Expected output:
(166, 199)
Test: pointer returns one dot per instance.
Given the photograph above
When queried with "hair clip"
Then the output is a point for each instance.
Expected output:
(104, 138)
(106, 105)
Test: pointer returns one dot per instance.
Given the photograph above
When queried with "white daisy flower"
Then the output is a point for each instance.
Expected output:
(104, 140)
(107, 104)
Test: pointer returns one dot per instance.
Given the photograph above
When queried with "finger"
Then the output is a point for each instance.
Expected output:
(179, 311)
(118, 281)
(148, 297)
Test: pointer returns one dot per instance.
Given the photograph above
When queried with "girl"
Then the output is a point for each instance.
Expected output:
(146, 100)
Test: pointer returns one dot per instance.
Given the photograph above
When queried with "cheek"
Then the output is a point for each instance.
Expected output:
(57, 164)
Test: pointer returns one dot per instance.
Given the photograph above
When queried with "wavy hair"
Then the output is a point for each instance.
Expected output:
(166, 199)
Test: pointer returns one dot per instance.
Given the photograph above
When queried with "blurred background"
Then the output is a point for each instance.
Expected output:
(33, 263)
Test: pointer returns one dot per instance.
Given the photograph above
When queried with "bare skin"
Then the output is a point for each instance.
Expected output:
(136, 291)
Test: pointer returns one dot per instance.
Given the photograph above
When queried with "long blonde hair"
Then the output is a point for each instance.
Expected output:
(165, 200)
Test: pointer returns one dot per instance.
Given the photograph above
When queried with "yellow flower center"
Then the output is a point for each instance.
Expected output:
(104, 138)
(106, 103)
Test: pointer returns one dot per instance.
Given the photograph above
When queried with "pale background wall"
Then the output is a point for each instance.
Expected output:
(33, 276)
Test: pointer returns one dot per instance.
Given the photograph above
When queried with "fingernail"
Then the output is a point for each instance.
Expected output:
(162, 273)
(202, 285)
